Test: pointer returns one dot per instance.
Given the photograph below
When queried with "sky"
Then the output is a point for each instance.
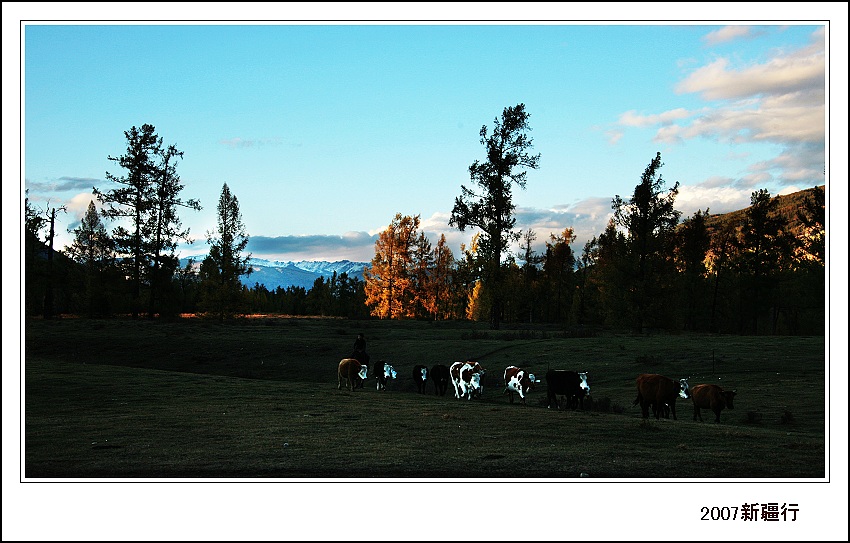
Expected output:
(326, 119)
(325, 131)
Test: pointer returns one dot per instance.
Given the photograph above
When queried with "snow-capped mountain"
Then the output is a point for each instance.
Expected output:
(277, 273)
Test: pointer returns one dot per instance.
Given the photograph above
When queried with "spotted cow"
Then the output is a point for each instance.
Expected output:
(466, 378)
(519, 381)
(656, 391)
(570, 384)
(711, 397)
(441, 376)
(420, 377)
(351, 372)
(383, 373)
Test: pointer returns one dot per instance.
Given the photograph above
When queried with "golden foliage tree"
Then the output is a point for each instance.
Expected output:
(390, 279)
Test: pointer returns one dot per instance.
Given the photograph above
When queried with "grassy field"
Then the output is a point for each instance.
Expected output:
(258, 398)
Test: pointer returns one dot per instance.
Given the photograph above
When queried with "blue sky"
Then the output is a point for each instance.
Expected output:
(325, 131)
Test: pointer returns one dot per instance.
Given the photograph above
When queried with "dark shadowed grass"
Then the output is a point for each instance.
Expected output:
(259, 399)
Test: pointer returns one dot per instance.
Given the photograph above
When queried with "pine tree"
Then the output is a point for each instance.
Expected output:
(649, 219)
(492, 210)
(94, 249)
(558, 268)
(165, 226)
(133, 201)
(764, 249)
(222, 291)
(692, 243)
(442, 279)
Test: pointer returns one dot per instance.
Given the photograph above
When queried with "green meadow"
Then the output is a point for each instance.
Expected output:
(259, 398)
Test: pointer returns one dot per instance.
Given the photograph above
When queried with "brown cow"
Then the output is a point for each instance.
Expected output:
(711, 397)
(519, 381)
(351, 372)
(656, 391)
(466, 378)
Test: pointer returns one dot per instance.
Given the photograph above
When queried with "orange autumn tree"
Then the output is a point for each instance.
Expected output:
(390, 282)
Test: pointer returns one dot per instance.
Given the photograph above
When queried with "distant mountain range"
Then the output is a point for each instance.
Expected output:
(276, 273)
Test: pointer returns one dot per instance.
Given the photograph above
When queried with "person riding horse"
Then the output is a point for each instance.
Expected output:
(360, 353)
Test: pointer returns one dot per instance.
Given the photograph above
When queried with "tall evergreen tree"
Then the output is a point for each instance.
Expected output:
(133, 200)
(530, 269)
(491, 211)
(442, 279)
(165, 225)
(582, 298)
(34, 257)
(94, 249)
(558, 269)
(764, 250)
(649, 219)
(692, 243)
(422, 272)
(722, 248)
(221, 270)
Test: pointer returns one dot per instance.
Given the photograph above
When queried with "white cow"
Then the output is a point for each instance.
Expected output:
(519, 381)
(466, 378)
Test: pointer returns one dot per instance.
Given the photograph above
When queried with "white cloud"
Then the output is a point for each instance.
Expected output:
(716, 181)
(788, 190)
(614, 136)
(79, 204)
(730, 33)
(718, 199)
(780, 101)
(781, 75)
(631, 118)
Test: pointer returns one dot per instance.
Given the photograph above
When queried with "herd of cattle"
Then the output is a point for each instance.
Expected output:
(564, 388)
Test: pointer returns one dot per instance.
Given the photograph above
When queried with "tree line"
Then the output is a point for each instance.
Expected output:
(760, 272)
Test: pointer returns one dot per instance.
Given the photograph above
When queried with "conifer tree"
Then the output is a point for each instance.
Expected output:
(764, 249)
(133, 200)
(558, 268)
(94, 249)
(442, 279)
(222, 291)
(649, 219)
(492, 210)
(165, 225)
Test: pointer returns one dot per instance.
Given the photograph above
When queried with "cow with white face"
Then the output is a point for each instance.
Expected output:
(572, 385)
(519, 381)
(466, 378)
(383, 373)
(351, 373)
(420, 377)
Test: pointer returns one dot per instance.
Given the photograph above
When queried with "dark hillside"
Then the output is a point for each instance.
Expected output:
(789, 206)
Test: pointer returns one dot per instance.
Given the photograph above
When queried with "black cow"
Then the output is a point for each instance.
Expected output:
(440, 376)
(383, 373)
(567, 383)
(420, 376)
